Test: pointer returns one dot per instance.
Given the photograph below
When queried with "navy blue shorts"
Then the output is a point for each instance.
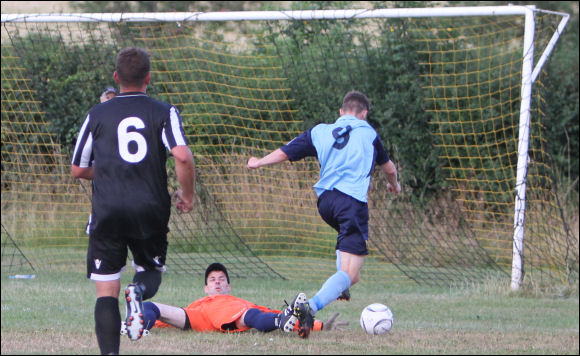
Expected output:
(349, 217)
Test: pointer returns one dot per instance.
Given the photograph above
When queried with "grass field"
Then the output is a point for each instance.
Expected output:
(53, 314)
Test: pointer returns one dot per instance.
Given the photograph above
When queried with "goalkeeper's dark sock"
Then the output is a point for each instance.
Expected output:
(108, 325)
(261, 321)
(150, 314)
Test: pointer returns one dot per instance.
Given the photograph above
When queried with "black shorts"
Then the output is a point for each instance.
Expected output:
(106, 257)
(349, 217)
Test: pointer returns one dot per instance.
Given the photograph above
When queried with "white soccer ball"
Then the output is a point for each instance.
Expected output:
(376, 319)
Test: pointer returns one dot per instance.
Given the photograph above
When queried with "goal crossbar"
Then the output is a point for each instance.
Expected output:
(301, 15)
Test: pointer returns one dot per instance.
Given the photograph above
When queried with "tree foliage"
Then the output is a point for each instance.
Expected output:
(160, 6)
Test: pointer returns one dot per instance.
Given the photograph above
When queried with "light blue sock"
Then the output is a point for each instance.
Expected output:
(338, 260)
(330, 290)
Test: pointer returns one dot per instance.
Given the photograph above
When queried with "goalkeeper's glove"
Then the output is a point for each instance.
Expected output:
(333, 324)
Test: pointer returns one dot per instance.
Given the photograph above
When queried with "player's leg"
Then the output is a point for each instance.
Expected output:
(259, 320)
(352, 265)
(267, 321)
(350, 218)
(105, 261)
(345, 295)
(107, 316)
(149, 263)
(174, 316)
(330, 291)
(149, 281)
(342, 280)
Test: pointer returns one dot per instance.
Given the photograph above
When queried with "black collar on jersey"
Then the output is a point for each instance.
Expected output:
(129, 93)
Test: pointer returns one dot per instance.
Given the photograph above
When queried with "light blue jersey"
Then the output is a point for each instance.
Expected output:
(346, 150)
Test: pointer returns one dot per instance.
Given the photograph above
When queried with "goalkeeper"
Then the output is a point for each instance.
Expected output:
(347, 151)
(108, 94)
(219, 311)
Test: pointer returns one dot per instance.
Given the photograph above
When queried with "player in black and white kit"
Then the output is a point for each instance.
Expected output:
(128, 137)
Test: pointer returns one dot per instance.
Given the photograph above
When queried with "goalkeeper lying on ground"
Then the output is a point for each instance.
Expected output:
(220, 311)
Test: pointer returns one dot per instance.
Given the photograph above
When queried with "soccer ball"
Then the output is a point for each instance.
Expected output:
(376, 319)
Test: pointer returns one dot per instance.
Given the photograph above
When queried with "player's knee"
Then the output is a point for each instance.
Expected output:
(151, 280)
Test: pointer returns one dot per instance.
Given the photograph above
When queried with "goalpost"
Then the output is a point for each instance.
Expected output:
(237, 78)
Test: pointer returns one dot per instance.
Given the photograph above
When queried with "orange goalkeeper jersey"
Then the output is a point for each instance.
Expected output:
(211, 313)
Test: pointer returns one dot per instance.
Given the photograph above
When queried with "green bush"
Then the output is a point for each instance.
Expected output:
(68, 80)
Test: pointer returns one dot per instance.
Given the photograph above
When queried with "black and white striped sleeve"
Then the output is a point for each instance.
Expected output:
(84, 146)
(172, 134)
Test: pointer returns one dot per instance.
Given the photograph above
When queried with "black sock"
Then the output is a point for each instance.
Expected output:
(108, 325)
(261, 321)
(151, 280)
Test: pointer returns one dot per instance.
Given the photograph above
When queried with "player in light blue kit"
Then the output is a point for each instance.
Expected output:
(347, 151)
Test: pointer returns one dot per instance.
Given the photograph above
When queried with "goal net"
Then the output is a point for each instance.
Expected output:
(446, 96)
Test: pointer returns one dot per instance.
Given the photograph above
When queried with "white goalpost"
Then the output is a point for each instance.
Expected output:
(529, 72)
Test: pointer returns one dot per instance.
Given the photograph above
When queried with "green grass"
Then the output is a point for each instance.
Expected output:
(53, 314)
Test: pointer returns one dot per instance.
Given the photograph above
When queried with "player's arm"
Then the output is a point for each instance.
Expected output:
(391, 172)
(185, 171)
(275, 157)
(387, 166)
(175, 141)
(80, 172)
(295, 150)
(81, 166)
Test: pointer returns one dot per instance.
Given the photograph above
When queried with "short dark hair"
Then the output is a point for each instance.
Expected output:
(216, 266)
(356, 101)
(133, 65)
